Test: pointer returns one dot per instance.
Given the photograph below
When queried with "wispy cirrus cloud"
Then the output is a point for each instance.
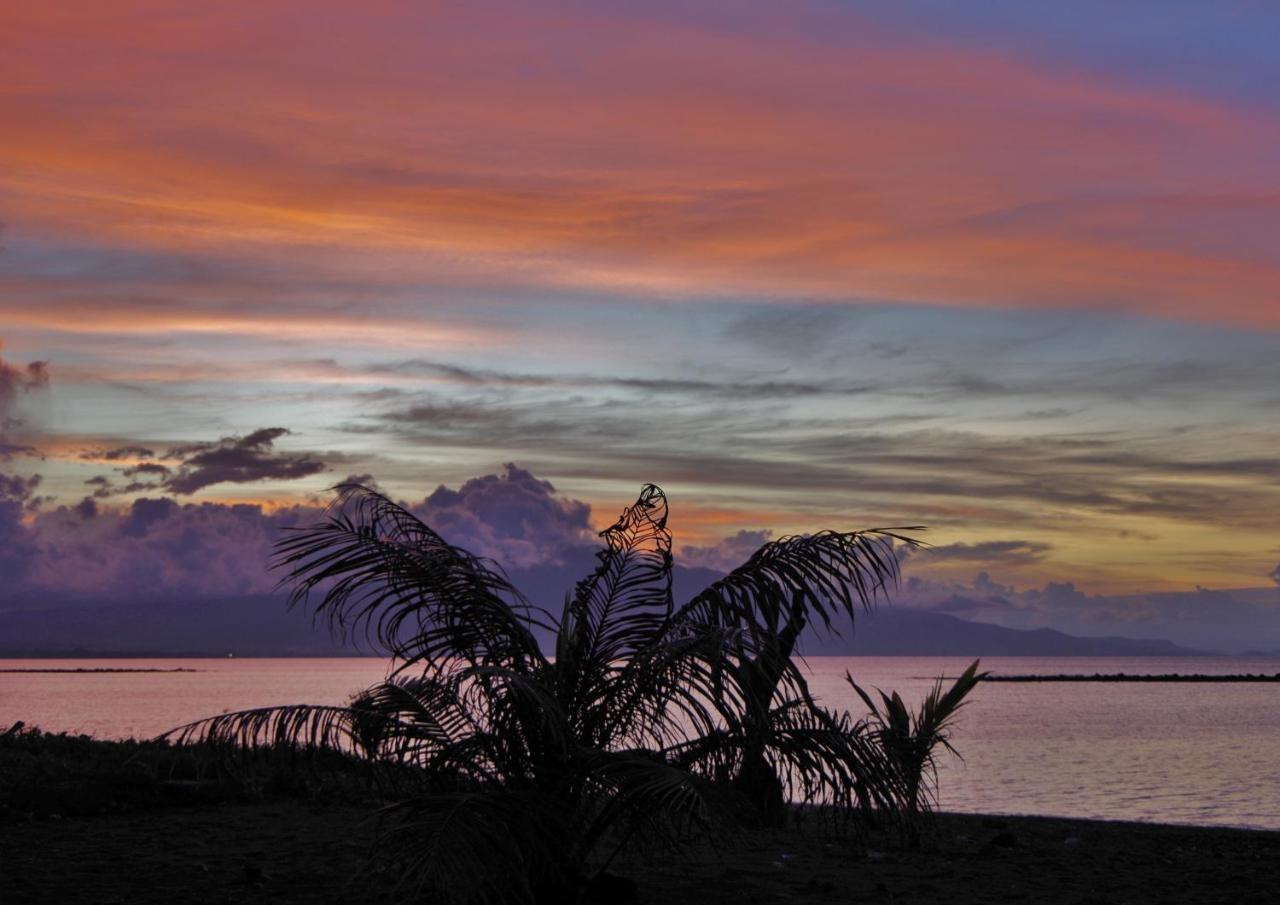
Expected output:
(840, 265)
(832, 157)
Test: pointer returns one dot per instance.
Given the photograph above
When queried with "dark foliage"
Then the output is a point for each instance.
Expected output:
(911, 741)
(521, 776)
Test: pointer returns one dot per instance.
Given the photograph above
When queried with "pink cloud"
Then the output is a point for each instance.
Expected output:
(600, 152)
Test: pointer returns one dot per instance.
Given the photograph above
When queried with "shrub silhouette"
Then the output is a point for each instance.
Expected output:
(522, 775)
(910, 741)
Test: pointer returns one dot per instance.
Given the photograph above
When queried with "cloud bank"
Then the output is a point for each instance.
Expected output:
(158, 547)
(512, 517)
(163, 550)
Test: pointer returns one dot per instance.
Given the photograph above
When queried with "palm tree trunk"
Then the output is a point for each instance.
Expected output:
(757, 779)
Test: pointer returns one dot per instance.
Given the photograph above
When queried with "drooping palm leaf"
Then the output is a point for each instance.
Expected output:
(828, 574)
(297, 726)
(379, 570)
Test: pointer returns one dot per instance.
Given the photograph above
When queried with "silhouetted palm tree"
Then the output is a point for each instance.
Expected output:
(535, 770)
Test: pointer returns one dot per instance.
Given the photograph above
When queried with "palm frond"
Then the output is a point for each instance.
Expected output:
(296, 726)
(622, 606)
(379, 571)
(664, 691)
(829, 574)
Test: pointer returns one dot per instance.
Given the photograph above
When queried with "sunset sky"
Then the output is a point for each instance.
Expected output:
(1007, 270)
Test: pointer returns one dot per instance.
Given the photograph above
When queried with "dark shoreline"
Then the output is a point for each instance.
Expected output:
(101, 669)
(1138, 677)
(82, 654)
(86, 822)
(294, 852)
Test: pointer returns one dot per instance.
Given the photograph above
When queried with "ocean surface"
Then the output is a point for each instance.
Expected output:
(1172, 753)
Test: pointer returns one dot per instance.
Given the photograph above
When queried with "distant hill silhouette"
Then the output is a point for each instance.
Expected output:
(892, 631)
(261, 626)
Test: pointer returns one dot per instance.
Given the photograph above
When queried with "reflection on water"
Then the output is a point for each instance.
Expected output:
(1178, 753)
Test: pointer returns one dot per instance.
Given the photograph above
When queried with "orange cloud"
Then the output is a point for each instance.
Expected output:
(468, 144)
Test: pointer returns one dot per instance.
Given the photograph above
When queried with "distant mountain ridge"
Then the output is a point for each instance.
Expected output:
(896, 630)
(263, 626)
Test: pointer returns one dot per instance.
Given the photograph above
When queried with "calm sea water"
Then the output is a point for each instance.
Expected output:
(1174, 753)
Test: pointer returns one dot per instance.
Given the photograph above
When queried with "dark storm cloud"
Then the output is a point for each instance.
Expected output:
(237, 460)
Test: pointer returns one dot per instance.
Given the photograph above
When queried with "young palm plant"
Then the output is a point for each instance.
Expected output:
(778, 742)
(911, 741)
(532, 771)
